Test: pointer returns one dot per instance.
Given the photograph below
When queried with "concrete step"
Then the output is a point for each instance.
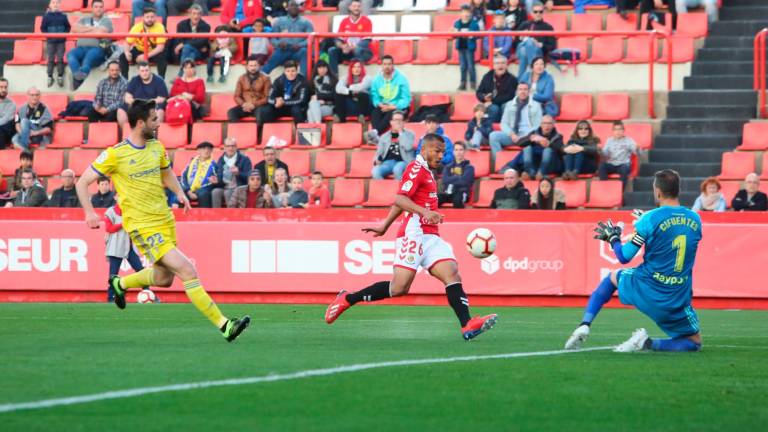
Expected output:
(748, 13)
(726, 82)
(713, 97)
(731, 3)
(686, 169)
(644, 200)
(706, 68)
(701, 126)
(729, 42)
(698, 155)
(725, 54)
(711, 111)
(645, 184)
(736, 28)
(723, 142)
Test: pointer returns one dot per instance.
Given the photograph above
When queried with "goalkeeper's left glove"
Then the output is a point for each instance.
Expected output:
(608, 232)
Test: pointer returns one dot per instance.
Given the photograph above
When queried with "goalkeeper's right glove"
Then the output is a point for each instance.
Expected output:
(608, 232)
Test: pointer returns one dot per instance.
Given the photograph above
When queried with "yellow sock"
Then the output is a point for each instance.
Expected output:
(139, 279)
(203, 302)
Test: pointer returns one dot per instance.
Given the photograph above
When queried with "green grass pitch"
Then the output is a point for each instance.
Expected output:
(61, 350)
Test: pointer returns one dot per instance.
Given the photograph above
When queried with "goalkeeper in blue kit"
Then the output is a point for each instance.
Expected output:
(660, 287)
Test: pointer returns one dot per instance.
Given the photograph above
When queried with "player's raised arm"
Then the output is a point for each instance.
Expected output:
(171, 182)
(407, 204)
(88, 177)
(610, 233)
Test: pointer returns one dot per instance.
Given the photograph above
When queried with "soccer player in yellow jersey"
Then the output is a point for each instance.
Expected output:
(140, 169)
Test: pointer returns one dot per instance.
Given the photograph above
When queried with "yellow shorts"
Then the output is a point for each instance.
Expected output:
(154, 242)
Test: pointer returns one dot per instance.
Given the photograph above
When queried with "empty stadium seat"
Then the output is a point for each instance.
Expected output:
(764, 174)
(755, 136)
(70, 5)
(429, 5)
(586, 22)
(575, 192)
(56, 102)
(736, 165)
(101, 135)
(181, 159)
(444, 23)
(575, 107)
(642, 133)
(485, 195)
(612, 106)
(602, 131)
(27, 52)
(692, 24)
(381, 193)
(559, 22)
(47, 162)
(346, 135)
(638, 50)
(283, 131)
(172, 137)
(19, 99)
(400, 50)
(606, 50)
(454, 131)
(220, 104)
(574, 42)
(331, 163)
(480, 160)
(297, 161)
(419, 23)
(382, 23)
(360, 164)
(463, 104)
(395, 5)
(418, 128)
(243, 133)
(9, 161)
(348, 192)
(80, 160)
(319, 22)
(682, 50)
(615, 23)
(431, 51)
(433, 99)
(604, 194)
(729, 190)
(67, 135)
(210, 132)
(502, 158)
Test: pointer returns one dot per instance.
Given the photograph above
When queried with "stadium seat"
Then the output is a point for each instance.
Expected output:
(444, 22)
(559, 22)
(67, 135)
(481, 161)
(602, 131)
(9, 161)
(637, 50)
(395, 5)
(586, 22)
(56, 102)
(27, 52)
(566, 130)
(180, 160)
(297, 161)
(417, 23)
(574, 42)
(736, 165)
(70, 5)
(400, 50)
(346, 135)
(485, 195)
(432, 99)
(429, 5)
(360, 164)
(331, 163)
(729, 190)
(575, 192)
(502, 158)
(642, 133)
(348, 192)
(18, 98)
(210, 132)
(431, 52)
(80, 160)
(575, 107)
(220, 104)
(382, 23)
(47, 162)
(418, 128)
(243, 133)
(319, 22)
(612, 106)
(694, 25)
(463, 104)
(455, 131)
(606, 50)
(764, 174)
(121, 23)
(381, 193)
(604, 194)
(172, 137)
(682, 50)
(755, 136)
(283, 131)
(615, 23)
(101, 135)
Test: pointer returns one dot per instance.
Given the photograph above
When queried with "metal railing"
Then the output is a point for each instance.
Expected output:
(759, 71)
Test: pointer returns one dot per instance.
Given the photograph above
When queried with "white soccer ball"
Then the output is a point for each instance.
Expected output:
(481, 243)
(146, 296)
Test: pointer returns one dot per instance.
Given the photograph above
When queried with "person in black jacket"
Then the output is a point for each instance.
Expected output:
(65, 196)
(269, 165)
(513, 195)
(542, 150)
(191, 49)
(104, 197)
(232, 170)
(750, 198)
(458, 178)
(323, 93)
(530, 47)
(580, 153)
(289, 96)
(497, 87)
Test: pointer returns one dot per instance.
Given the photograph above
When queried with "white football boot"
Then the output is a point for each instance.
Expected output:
(635, 343)
(577, 338)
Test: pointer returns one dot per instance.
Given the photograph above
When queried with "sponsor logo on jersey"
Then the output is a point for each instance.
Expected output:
(407, 186)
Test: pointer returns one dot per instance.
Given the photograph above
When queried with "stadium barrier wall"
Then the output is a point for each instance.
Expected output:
(542, 258)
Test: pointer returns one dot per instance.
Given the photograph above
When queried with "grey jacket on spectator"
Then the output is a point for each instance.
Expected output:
(407, 142)
(32, 197)
(362, 87)
(530, 119)
(619, 151)
(7, 110)
(286, 24)
(90, 21)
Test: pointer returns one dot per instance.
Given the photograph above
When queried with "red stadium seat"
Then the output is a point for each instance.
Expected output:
(297, 161)
(764, 174)
(27, 52)
(283, 131)
(172, 136)
(70, 5)
(331, 163)
(485, 195)
(181, 159)
(463, 104)
(574, 42)
(602, 131)
(606, 50)
(575, 192)
(642, 133)
(80, 160)
(346, 135)
(433, 99)
(612, 106)
(348, 192)
(319, 22)
(56, 102)
(729, 190)
(559, 22)
(48, 162)
(604, 194)
(19, 99)
(755, 136)
(682, 50)
(101, 135)
(481, 161)
(502, 158)
(455, 131)
(566, 130)
(615, 23)
(432, 52)
(361, 163)
(736, 165)
(121, 23)
(692, 24)
(210, 132)
(443, 22)
(575, 107)
(243, 133)
(400, 50)
(67, 135)
(220, 104)
(381, 193)
(9, 161)
(637, 50)
(586, 22)
(84, 96)
(419, 129)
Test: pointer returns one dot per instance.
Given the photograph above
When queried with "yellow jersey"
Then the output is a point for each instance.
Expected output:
(138, 41)
(136, 174)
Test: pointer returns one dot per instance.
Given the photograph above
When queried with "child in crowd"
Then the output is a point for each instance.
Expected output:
(55, 21)
(319, 195)
(222, 50)
(299, 198)
(479, 128)
(118, 246)
(466, 46)
(259, 46)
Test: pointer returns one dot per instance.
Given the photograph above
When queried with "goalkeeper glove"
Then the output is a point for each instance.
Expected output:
(608, 232)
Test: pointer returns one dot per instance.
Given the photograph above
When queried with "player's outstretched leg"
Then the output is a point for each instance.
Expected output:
(400, 284)
(597, 300)
(640, 341)
(448, 272)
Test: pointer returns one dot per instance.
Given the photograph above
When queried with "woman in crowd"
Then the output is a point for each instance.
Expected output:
(547, 197)
(542, 86)
(323, 93)
(711, 199)
(352, 93)
(581, 152)
(281, 189)
(190, 88)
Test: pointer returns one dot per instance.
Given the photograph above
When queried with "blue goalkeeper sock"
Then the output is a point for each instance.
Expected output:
(680, 344)
(599, 297)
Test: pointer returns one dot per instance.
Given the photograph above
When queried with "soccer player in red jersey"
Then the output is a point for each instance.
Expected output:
(418, 244)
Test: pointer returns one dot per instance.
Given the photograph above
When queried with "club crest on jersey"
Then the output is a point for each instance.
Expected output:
(407, 186)
(102, 157)
(410, 259)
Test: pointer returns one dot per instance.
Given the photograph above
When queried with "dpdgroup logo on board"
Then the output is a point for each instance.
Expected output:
(49, 255)
(493, 264)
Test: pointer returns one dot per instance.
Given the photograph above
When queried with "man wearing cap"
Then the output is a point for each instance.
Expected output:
(199, 176)
(252, 195)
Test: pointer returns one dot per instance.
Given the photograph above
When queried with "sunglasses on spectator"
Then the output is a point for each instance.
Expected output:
(538, 11)
(547, 123)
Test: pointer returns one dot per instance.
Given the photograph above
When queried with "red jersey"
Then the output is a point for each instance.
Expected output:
(420, 186)
(362, 25)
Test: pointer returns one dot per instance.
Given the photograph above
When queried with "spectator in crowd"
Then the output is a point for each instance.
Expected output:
(139, 6)
(366, 6)
(513, 195)
(259, 46)
(515, 14)
(5, 194)
(135, 50)
(351, 47)
(251, 195)
(319, 195)
(709, 5)
(232, 171)
(65, 196)
(710, 199)
(199, 177)
(390, 91)
(241, 14)
(623, 7)
(289, 96)
(110, 94)
(289, 48)
(146, 85)
(7, 115)
(433, 127)
(497, 87)
(104, 197)
(323, 90)
(542, 86)
(190, 88)
(521, 116)
(617, 154)
(34, 122)
(299, 198)
(269, 164)
(30, 194)
(395, 149)
(55, 21)
(477, 10)
(502, 45)
(458, 178)
(352, 93)
(191, 49)
(89, 52)
(530, 47)
(26, 158)
(542, 151)
(466, 47)
(281, 189)
(750, 198)
(274, 9)
(252, 91)
(579, 6)
(547, 197)
(177, 7)
(118, 245)
(479, 128)
(580, 154)
(222, 50)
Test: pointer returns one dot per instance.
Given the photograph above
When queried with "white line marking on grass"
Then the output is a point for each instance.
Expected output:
(120, 394)
(735, 346)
